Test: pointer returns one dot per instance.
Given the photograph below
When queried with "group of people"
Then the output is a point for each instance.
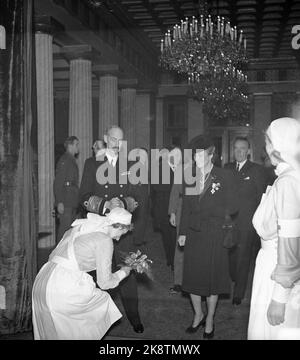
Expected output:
(209, 238)
(91, 197)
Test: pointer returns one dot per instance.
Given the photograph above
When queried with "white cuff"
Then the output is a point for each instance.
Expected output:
(281, 294)
(121, 274)
(289, 228)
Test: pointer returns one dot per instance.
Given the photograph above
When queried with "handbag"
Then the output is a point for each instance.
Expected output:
(230, 238)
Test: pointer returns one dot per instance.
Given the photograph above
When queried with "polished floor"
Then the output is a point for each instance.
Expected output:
(165, 316)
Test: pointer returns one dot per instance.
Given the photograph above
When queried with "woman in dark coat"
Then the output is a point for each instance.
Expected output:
(204, 214)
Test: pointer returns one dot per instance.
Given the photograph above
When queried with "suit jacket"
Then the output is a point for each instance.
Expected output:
(176, 195)
(251, 184)
(175, 203)
(66, 181)
(94, 192)
(213, 205)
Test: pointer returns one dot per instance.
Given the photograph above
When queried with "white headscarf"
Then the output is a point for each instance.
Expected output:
(284, 134)
(95, 223)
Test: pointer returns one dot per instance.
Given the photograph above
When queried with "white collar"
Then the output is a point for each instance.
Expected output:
(172, 166)
(241, 164)
(282, 167)
(207, 170)
(112, 159)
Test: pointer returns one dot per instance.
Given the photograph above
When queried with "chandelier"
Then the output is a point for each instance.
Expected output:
(211, 53)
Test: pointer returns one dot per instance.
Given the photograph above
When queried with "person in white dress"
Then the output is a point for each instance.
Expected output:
(66, 305)
(275, 301)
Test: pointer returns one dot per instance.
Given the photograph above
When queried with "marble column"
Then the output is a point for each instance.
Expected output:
(296, 107)
(128, 116)
(262, 119)
(159, 122)
(45, 117)
(145, 119)
(108, 103)
(80, 107)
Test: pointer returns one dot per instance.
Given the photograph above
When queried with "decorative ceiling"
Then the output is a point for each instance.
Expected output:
(267, 24)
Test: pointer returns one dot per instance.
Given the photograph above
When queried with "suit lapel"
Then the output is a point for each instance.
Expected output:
(231, 166)
(208, 182)
(245, 168)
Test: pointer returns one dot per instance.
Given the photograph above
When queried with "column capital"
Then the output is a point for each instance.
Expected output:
(74, 52)
(45, 24)
(106, 69)
(150, 91)
(128, 84)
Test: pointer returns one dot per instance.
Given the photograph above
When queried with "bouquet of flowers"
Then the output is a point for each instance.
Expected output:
(138, 262)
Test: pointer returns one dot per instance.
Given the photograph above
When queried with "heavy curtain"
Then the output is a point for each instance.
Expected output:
(18, 235)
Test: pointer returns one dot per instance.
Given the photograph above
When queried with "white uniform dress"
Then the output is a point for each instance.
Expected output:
(66, 303)
(277, 271)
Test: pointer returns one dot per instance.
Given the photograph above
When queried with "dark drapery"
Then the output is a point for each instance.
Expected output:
(17, 215)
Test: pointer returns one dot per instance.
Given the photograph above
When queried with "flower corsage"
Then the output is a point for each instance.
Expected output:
(215, 186)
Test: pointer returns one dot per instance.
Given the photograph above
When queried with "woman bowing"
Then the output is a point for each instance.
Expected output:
(66, 303)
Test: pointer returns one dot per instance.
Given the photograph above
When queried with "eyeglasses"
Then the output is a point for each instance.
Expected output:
(114, 139)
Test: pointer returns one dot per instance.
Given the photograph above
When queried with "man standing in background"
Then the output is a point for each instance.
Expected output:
(66, 186)
(98, 148)
(175, 204)
(100, 198)
(160, 196)
(251, 183)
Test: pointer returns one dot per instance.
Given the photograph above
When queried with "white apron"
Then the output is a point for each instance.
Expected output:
(259, 328)
(66, 303)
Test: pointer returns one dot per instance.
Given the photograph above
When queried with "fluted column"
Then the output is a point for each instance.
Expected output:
(159, 124)
(128, 116)
(108, 103)
(80, 107)
(296, 107)
(45, 117)
(262, 118)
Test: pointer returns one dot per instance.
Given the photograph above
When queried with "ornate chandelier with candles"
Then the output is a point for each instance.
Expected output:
(211, 54)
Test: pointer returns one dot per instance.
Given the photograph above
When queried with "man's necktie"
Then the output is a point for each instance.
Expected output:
(237, 166)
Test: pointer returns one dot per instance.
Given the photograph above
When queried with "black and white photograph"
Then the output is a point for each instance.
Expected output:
(149, 172)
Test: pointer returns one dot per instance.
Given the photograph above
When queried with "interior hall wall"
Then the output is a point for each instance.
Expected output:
(143, 120)
(61, 121)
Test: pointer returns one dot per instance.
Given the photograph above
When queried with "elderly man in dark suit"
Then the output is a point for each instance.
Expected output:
(66, 186)
(106, 184)
(251, 183)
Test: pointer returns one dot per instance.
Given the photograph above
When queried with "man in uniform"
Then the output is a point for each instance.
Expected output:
(104, 186)
(66, 186)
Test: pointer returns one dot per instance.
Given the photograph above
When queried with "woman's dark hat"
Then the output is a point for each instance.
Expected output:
(201, 142)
